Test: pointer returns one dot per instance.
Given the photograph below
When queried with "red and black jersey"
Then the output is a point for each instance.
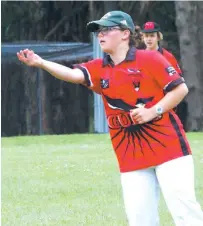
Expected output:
(171, 59)
(141, 80)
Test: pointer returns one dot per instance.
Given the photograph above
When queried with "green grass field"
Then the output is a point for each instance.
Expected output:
(70, 180)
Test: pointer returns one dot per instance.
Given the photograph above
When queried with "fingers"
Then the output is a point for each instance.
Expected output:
(28, 51)
(140, 121)
(24, 54)
(134, 112)
(137, 115)
(21, 56)
(21, 53)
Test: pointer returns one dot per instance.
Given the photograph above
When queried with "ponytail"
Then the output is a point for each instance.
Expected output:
(136, 38)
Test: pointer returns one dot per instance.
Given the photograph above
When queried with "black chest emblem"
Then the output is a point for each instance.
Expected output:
(104, 83)
(136, 85)
(136, 76)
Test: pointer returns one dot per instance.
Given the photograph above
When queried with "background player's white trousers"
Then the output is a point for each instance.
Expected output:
(176, 180)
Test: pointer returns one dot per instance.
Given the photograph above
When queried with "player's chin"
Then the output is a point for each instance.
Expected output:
(105, 49)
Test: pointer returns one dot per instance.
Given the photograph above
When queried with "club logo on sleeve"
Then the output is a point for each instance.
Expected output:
(171, 71)
(104, 83)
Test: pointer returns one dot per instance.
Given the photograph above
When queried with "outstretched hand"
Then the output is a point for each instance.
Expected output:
(29, 58)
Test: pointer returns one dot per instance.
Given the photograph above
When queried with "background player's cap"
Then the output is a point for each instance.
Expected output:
(150, 27)
(110, 19)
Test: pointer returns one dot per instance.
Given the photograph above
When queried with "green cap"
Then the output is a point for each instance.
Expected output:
(110, 19)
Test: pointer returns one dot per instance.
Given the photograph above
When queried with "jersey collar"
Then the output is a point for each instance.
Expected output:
(160, 49)
(129, 57)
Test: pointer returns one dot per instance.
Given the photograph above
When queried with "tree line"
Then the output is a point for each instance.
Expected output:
(61, 21)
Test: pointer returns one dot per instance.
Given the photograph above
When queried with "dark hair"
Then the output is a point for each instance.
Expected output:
(136, 37)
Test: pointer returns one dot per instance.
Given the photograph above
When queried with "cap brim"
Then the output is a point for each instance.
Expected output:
(150, 31)
(94, 25)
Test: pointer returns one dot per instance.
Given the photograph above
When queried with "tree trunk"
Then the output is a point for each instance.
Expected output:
(189, 20)
(29, 77)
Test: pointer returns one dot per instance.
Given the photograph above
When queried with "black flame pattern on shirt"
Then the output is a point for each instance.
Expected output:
(140, 131)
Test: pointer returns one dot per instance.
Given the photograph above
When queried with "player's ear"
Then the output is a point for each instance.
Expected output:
(126, 34)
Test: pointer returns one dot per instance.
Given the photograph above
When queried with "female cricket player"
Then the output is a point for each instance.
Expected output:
(139, 90)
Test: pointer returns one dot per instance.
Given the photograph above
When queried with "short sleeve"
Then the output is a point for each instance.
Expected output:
(90, 70)
(162, 70)
(174, 63)
(176, 66)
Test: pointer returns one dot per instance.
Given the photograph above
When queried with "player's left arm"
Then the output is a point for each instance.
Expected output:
(172, 98)
(167, 78)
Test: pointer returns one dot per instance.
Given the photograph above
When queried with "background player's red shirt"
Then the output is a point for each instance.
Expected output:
(141, 80)
(171, 59)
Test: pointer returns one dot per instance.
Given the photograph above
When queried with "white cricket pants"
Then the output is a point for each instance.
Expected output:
(176, 180)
